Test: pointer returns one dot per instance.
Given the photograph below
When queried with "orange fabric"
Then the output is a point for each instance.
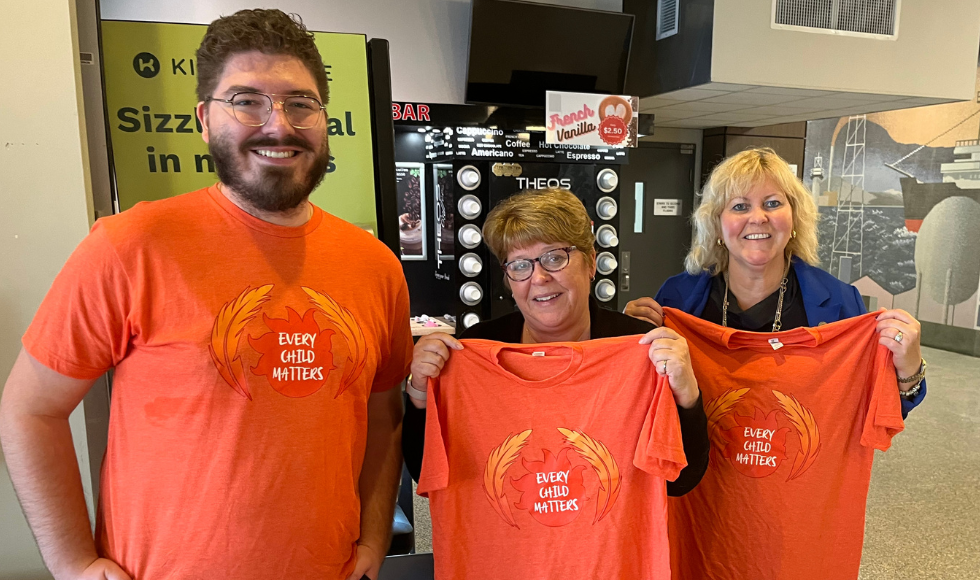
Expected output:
(244, 356)
(550, 465)
(793, 433)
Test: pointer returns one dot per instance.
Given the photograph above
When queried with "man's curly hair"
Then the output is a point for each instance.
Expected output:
(271, 32)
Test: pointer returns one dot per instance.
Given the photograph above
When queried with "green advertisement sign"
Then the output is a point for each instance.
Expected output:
(150, 92)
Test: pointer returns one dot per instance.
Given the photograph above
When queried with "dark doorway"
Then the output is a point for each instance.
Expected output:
(656, 252)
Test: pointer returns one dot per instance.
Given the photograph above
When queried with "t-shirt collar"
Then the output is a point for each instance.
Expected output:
(263, 226)
(569, 349)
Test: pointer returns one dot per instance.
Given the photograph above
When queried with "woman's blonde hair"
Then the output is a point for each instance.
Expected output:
(538, 216)
(734, 177)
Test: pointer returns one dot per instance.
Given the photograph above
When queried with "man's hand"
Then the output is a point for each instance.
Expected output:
(368, 563)
(378, 484)
(103, 569)
(40, 457)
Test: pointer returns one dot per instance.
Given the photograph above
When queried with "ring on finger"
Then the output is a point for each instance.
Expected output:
(665, 366)
(899, 336)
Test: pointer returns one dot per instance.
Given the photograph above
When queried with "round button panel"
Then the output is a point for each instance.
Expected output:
(606, 236)
(606, 180)
(470, 207)
(470, 265)
(470, 293)
(470, 236)
(470, 318)
(605, 290)
(606, 208)
(606, 263)
(468, 177)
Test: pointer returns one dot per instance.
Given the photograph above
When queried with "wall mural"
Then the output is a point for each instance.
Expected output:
(899, 200)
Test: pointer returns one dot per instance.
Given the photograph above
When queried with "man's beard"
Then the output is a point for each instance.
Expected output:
(275, 189)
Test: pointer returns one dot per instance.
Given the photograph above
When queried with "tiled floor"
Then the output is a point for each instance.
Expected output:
(924, 504)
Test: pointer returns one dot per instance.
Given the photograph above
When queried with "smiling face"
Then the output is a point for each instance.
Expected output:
(273, 167)
(757, 225)
(553, 302)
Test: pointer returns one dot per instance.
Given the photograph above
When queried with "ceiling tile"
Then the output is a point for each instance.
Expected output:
(682, 124)
(729, 87)
(653, 102)
(735, 117)
(779, 110)
(789, 91)
(918, 102)
(755, 99)
(888, 98)
(827, 102)
(704, 107)
(662, 114)
(865, 97)
(691, 94)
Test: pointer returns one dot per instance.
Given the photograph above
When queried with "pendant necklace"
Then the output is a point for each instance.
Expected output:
(777, 322)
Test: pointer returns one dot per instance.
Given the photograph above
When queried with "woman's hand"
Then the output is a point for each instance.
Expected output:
(646, 309)
(671, 357)
(907, 352)
(430, 355)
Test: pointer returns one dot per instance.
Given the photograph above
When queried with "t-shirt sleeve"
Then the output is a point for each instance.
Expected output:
(660, 449)
(435, 461)
(84, 324)
(884, 417)
(395, 366)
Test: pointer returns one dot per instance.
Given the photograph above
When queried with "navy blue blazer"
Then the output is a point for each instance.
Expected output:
(825, 299)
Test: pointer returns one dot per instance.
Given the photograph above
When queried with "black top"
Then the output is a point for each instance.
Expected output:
(758, 318)
(604, 324)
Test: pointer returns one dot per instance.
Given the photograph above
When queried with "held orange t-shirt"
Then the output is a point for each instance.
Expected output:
(550, 461)
(244, 355)
(794, 418)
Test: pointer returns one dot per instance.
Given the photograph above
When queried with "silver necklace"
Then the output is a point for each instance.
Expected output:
(777, 322)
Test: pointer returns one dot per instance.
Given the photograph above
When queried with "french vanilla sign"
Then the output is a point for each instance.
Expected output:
(590, 119)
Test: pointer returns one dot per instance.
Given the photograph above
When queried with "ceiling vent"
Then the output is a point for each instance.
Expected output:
(867, 18)
(667, 18)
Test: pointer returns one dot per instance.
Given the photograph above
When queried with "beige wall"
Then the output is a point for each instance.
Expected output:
(45, 198)
(936, 50)
(429, 38)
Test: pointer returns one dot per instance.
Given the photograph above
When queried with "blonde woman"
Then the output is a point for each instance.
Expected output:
(545, 243)
(753, 266)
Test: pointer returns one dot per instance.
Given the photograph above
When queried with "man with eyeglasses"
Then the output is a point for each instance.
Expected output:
(255, 341)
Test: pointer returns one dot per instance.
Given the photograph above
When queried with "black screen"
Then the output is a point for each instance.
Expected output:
(519, 50)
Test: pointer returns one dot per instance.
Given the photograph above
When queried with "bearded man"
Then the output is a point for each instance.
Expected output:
(255, 340)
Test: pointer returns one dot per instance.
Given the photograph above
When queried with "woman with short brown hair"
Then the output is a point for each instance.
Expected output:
(544, 241)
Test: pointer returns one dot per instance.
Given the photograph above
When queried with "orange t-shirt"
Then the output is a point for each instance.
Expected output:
(244, 356)
(794, 418)
(550, 461)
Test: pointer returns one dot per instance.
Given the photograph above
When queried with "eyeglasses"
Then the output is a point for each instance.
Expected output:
(552, 261)
(254, 109)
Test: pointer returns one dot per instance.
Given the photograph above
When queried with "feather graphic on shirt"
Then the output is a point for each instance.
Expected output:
(500, 459)
(227, 333)
(806, 427)
(349, 329)
(605, 466)
(717, 408)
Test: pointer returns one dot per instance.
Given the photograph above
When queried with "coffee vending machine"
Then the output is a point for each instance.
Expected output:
(480, 185)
